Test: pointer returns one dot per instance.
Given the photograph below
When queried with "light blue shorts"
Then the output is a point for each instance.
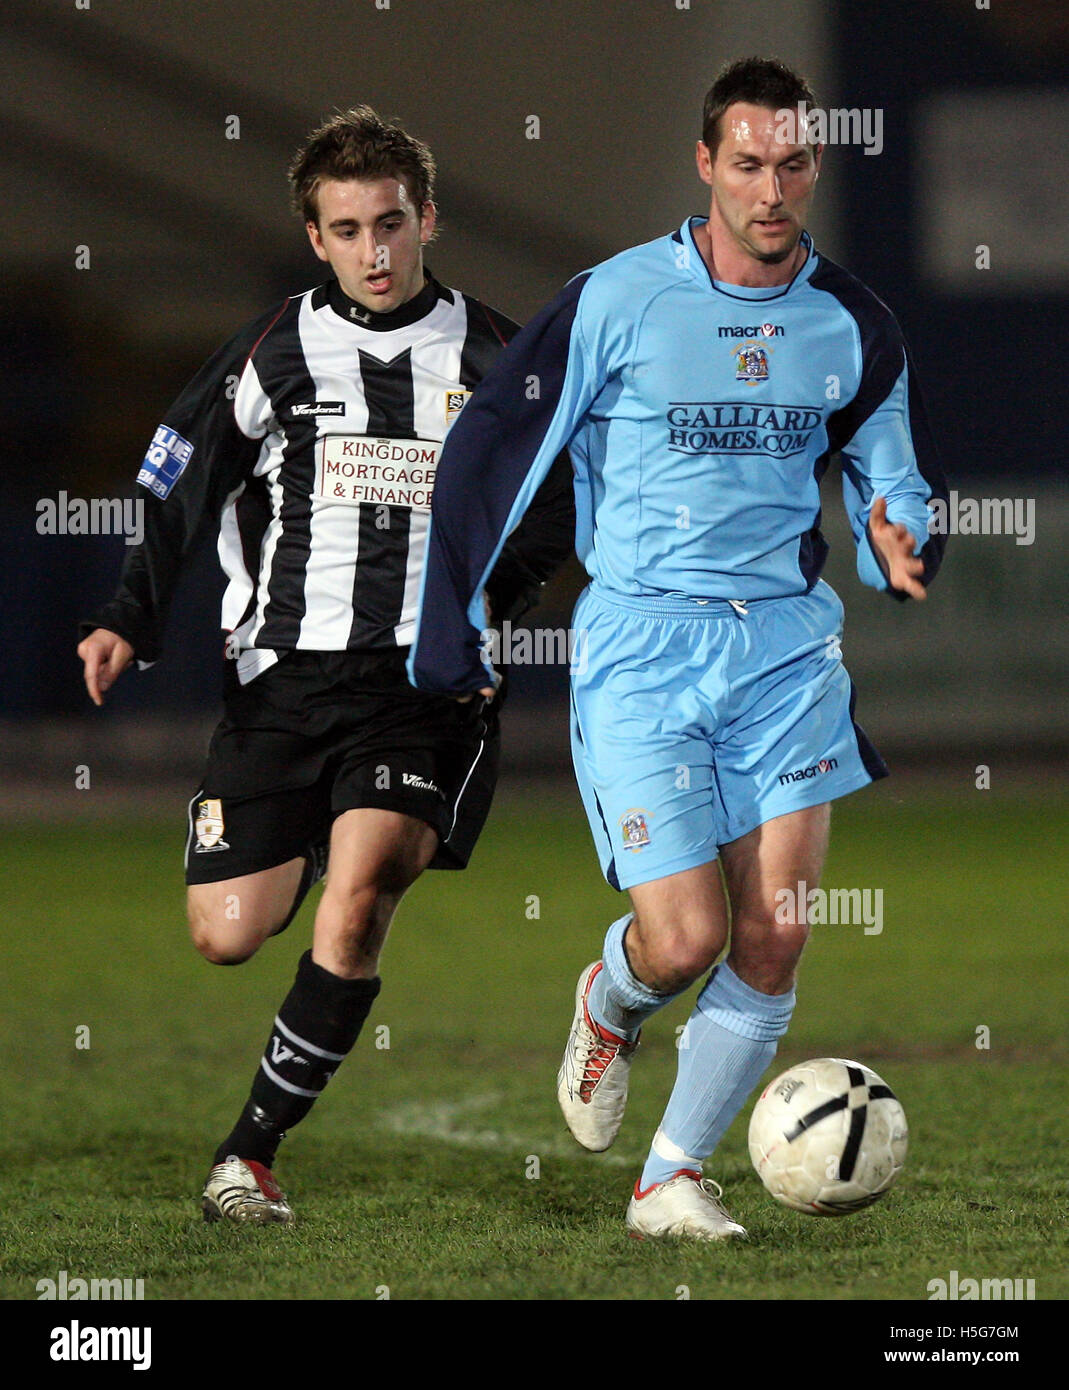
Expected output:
(692, 723)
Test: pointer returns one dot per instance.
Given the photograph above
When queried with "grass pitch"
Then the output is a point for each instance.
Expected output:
(437, 1166)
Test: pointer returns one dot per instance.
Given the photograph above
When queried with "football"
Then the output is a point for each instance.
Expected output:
(828, 1137)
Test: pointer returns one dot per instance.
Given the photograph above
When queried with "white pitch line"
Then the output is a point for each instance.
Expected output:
(443, 1120)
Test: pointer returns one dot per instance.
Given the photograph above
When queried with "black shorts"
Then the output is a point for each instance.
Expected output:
(320, 733)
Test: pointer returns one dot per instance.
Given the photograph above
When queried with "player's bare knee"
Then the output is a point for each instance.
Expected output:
(356, 901)
(220, 942)
(675, 959)
(223, 950)
(349, 901)
(768, 960)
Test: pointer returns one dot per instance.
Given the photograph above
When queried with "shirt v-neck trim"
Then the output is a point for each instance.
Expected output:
(745, 294)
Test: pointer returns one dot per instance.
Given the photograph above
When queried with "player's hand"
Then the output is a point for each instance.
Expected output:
(106, 656)
(487, 692)
(895, 544)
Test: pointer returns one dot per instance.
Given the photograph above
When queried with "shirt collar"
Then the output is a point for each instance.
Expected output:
(418, 307)
(700, 270)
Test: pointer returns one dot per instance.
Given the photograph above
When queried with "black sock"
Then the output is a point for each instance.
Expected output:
(316, 1027)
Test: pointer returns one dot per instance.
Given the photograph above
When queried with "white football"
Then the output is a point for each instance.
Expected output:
(828, 1137)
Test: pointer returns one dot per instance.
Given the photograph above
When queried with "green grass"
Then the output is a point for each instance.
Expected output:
(413, 1172)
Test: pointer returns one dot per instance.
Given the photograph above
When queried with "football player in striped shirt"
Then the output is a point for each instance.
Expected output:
(702, 383)
(311, 439)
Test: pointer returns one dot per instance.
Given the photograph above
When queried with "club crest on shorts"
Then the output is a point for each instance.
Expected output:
(209, 826)
(751, 363)
(635, 830)
(454, 404)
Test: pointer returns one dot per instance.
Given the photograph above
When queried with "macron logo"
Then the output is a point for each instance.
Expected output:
(802, 774)
(753, 330)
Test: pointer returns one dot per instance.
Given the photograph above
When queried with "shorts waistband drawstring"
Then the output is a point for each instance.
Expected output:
(675, 605)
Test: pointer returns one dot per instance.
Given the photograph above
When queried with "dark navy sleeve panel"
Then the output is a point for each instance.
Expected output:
(546, 535)
(882, 349)
(538, 547)
(495, 457)
(488, 332)
(882, 432)
(180, 497)
(931, 470)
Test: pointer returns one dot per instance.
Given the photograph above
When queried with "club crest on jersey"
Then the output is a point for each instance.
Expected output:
(635, 830)
(454, 404)
(751, 363)
(209, 826)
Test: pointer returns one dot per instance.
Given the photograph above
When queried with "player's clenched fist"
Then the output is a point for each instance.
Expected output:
(106, 656)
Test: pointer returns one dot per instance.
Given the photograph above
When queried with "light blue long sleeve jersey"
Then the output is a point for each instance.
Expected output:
(700, 417)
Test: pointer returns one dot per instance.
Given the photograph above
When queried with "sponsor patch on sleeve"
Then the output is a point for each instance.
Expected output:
(165, 461)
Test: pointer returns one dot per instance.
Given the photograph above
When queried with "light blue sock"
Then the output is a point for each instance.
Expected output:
(617, 1000)
(729, 1040)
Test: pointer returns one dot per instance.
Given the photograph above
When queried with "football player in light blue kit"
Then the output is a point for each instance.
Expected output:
(701, 383)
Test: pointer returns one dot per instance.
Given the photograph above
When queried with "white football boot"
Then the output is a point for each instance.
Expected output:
(245, 1192)
(686, 1205)
(592, 1081)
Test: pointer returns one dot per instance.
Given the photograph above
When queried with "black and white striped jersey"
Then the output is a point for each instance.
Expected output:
(312, 439)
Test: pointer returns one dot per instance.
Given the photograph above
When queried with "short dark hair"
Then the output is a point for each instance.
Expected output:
(758, 81)
(359, 144)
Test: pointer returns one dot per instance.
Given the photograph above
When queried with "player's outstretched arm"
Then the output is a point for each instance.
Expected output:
(894, 546)
(106, 656)
(198, 456)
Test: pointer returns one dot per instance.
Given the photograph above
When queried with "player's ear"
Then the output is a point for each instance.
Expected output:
(704, 160)
(312, 229)
(428, 219)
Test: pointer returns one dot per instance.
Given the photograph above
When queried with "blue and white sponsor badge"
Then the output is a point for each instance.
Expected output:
(165, 461)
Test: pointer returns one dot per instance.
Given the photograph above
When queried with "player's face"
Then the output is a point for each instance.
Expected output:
(762, 176)
(372, 235)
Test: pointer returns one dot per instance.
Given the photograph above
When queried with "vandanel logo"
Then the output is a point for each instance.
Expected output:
(316, 408)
